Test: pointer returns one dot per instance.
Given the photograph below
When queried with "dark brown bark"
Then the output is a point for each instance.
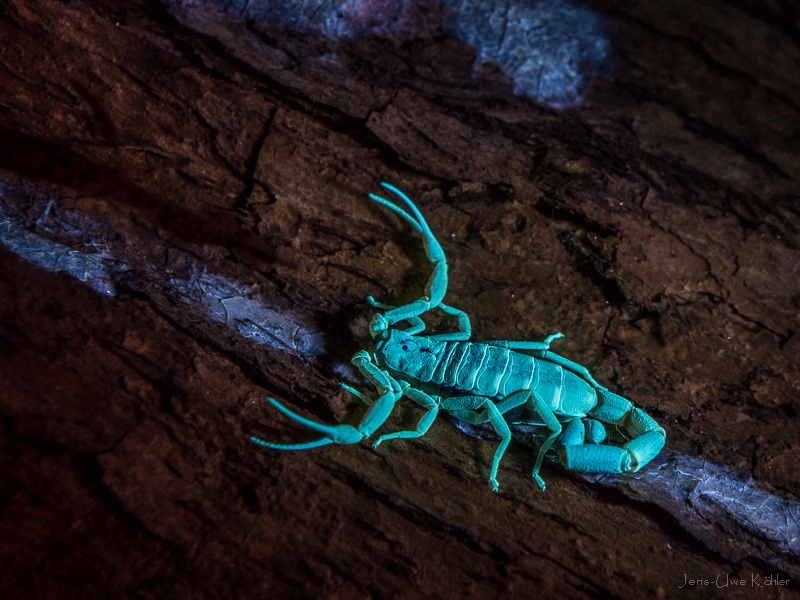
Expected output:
(213, 179)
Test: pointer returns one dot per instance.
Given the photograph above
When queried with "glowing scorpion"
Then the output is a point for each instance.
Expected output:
(480, 382)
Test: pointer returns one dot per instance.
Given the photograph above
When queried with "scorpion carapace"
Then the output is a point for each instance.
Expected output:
(480, 382)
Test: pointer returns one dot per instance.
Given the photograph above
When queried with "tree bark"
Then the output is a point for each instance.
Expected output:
(184, 212)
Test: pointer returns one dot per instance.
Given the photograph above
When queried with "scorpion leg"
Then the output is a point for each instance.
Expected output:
(532, 347)
(437, 284)
(465, 408)
(464, 328)
(541, 350)
(647, 439)
(359, 394)
(473, 417)
(429, 402)
(512, 401)
(390, 391)
(554, 425)
(574, 367)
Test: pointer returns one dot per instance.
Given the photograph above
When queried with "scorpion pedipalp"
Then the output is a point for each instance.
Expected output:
(436, 287)
(334, 434)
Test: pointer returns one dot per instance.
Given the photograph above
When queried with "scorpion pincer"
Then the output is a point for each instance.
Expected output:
(480, 382)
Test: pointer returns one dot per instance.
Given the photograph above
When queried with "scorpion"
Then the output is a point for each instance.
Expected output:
(480, 382)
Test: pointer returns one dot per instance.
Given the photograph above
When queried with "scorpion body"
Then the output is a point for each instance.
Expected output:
(480, 382)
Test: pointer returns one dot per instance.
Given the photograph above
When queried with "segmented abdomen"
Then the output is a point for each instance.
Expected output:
(482, 369)
(493, 371)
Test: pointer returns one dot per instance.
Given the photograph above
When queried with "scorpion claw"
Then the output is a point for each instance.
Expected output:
(306, 446)
(334, 434)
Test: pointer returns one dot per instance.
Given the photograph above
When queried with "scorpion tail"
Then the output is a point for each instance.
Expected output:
(647, 440)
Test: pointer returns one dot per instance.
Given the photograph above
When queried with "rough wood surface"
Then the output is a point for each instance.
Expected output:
(213, 178)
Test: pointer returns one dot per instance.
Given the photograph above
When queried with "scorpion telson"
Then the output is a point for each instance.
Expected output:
(480, 382)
